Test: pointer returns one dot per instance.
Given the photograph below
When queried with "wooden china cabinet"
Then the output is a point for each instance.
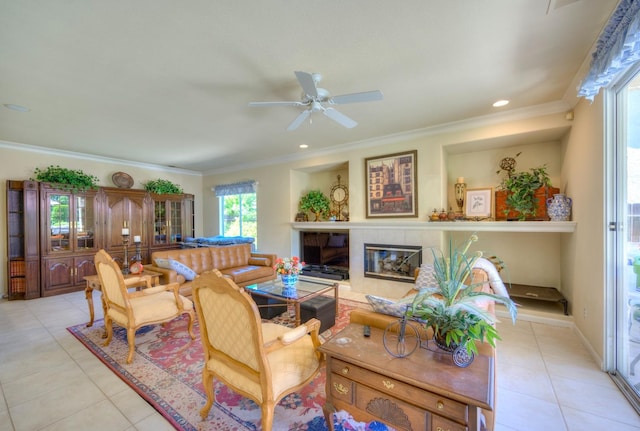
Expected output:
(70, 237)
(172, 220)
(53, 234)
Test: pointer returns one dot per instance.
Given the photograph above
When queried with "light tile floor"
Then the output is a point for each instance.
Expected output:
(49, 381)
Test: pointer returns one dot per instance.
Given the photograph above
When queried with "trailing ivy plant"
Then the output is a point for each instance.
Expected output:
(522, 187)
(162, 187)
(66, 179)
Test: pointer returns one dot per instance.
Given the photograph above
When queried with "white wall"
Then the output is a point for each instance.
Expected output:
(583, 251)
(531, 258)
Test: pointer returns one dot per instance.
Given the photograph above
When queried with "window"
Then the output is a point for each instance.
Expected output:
(238, 215)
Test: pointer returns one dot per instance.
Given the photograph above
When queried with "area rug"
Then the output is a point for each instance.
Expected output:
(166, 371)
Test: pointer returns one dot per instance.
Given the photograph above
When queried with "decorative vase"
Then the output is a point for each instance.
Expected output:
(559, 207)
(289, 280)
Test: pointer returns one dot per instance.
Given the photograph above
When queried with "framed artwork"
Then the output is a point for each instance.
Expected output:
(392, 185)
(479, 203)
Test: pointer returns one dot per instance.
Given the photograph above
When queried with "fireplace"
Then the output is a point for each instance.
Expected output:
(392, 262)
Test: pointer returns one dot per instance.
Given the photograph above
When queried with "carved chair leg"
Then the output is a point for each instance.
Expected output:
(108, 326)
(190, 327)
(207, 382)
(267, 415)
(131, 340)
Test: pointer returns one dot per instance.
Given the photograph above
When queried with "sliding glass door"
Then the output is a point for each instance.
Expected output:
(625, 206)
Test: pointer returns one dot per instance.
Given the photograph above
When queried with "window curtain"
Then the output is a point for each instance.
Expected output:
(617, 48)
(235, 188)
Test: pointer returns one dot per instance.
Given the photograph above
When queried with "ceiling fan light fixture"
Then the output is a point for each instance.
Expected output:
(499, 103)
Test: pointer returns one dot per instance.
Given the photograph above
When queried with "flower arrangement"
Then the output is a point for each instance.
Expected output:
(286, 265)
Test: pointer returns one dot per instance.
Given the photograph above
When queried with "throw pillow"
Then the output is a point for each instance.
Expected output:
(162, 263)
(389, 307)
(182, 269)
(336, 241)
(426, 277)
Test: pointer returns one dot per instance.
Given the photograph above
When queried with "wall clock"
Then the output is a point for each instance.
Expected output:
(339, 196)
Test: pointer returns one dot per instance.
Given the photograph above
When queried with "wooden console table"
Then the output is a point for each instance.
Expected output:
(423, 391)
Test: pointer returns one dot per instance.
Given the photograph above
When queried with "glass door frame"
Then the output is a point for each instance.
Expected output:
(616, 321)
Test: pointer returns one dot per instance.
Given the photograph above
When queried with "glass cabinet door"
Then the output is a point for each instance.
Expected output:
(176, 222)
(84, 222)
(59, 217)
(159, 223)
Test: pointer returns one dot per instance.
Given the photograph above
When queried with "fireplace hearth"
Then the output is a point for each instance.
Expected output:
(392, 262)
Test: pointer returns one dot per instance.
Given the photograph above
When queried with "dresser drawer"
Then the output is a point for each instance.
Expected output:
(442, 424)
(435, 403)
(341, 388)
(392, 411)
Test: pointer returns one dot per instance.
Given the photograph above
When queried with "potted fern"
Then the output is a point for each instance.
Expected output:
(451, 307)
(316, 202)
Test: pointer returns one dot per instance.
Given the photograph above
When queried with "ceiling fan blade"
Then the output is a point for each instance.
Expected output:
(299, 120)
(307, 83)
(259, 104)
(367, 96)
(338, 117)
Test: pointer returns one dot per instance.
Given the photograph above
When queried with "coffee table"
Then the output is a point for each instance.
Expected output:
(305, 290)
(93, 283)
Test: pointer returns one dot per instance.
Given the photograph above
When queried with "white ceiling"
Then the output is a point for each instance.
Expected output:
(168, 83)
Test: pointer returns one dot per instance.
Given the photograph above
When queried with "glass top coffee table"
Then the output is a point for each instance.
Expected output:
(304, 291)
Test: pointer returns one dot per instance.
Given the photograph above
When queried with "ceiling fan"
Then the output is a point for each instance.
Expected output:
(315, 98)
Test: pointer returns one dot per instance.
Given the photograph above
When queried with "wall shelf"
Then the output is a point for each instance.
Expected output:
(449, 226)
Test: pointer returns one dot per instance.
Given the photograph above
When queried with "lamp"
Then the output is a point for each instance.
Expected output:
(460, 187)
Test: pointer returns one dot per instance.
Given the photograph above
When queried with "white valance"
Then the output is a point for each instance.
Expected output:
(235, 188)
(617, 48)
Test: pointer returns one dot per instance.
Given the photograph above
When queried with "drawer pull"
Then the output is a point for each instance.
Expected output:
(440, 405)
(345, 370)
(340, 388)
(387, 384)
(442, 429)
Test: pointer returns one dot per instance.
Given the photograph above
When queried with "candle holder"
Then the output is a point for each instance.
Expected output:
(125, 262)
(459, 190)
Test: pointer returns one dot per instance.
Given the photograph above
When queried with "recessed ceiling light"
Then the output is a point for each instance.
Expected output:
(500, 103)
(18, 108)
(304, 146)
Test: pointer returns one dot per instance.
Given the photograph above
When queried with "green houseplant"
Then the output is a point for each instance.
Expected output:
(451, 308)
(316, 202)
(162, 187)
(521, 190)
(66, 179)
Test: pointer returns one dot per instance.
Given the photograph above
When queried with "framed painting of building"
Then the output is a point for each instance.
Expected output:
(392, 186)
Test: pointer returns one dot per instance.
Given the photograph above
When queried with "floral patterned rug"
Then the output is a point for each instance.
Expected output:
(166, 371)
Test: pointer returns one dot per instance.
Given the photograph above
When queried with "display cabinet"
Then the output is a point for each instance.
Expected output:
(172, 219)
(23, 252)
(54, 233)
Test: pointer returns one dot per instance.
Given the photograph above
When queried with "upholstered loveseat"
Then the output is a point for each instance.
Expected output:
(236, 261)
(484, 275)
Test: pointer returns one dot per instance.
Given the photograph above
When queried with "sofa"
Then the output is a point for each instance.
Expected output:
(236, 261)
(322, 248)
(488, 280)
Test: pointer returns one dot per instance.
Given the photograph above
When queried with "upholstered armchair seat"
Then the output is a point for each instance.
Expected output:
(262, 361)
(134, 309)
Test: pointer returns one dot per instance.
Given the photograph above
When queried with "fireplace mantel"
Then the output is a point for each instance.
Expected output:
(453, 226)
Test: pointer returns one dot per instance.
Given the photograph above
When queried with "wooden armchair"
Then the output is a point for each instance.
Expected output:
(132, 310)
(261, 361)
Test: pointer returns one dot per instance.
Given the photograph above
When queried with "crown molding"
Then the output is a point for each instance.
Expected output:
(83, 156)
